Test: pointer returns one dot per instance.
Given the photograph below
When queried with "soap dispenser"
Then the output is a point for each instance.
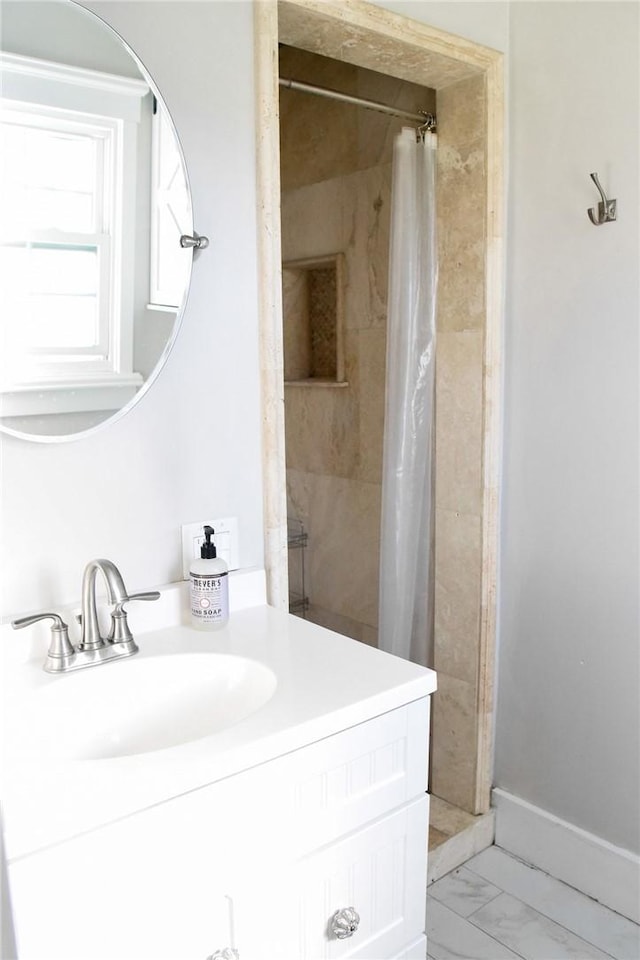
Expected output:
(209, 581)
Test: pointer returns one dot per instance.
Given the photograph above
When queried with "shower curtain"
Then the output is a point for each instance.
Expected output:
(405, 616)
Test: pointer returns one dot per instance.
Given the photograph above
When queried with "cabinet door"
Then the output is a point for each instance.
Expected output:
(380, 871)
(415, 951)
(120, 894)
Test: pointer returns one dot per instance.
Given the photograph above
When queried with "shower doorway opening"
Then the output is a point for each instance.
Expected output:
(335, 178)
(466, 80)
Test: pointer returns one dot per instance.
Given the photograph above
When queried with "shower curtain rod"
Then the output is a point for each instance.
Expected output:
(424, 118)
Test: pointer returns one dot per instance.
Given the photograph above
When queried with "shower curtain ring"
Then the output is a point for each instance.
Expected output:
(429, 125)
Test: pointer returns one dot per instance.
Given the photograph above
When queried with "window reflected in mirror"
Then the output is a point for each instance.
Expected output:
(93, 200)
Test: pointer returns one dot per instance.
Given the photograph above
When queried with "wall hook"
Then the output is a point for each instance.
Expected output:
(606, 211)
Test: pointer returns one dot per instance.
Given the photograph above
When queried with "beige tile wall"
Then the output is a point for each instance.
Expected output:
(334, 434)
(459, 437)
(321, 139)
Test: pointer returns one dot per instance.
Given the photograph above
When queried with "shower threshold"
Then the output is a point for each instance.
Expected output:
(455, 836)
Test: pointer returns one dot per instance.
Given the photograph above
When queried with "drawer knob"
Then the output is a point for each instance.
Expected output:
(344, 923)
(228, 953)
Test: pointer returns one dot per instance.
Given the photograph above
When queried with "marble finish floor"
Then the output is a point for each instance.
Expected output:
(497, 908)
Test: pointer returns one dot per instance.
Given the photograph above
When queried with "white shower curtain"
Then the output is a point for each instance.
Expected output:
(405, 617)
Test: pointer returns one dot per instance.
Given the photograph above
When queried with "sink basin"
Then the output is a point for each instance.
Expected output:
(140, 705)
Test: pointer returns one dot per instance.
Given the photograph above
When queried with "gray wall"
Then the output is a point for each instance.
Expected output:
(56, 30)
(568, 702)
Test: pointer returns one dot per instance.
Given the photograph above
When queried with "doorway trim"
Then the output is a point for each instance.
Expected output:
(372, 37)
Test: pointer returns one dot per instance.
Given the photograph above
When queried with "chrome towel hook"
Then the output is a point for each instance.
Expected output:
(606, 211)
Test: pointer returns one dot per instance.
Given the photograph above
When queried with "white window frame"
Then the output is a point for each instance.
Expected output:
(65, 362)
(171, 217)
(111, 105)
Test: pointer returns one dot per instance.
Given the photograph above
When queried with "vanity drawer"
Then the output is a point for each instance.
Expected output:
(316, 794)
(347, 780)
(287, 808)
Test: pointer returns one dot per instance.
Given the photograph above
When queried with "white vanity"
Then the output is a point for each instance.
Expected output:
(243, 842)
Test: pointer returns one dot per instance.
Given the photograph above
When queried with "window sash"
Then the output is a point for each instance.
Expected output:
(72, 101)
(46, 360)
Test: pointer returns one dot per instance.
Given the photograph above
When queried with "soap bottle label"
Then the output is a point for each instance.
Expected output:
(210, 597)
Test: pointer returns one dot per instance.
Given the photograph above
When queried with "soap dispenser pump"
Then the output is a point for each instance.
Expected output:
(209, 587)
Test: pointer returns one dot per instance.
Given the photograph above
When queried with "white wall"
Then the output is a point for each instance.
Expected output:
(568, 705)
(191, 448)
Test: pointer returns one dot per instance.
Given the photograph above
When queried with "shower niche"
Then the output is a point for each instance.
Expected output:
(313, 312)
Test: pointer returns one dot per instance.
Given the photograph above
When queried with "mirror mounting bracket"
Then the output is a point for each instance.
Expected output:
(200, 243)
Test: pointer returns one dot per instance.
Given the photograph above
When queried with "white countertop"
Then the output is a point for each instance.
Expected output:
(325, 684)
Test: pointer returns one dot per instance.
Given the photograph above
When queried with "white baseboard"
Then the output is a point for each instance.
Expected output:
(594, 866)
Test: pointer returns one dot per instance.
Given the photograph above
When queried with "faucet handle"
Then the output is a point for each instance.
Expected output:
(149, 595)
(120, 632)
(61, 651)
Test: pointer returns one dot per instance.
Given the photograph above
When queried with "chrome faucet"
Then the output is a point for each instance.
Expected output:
(91, 639)
(93, 648)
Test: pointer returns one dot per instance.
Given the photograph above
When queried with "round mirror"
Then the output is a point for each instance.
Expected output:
(93, 200)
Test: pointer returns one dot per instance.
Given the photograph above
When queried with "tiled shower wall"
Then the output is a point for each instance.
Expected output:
(333, 432)
(336, 188)
(460, 435)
